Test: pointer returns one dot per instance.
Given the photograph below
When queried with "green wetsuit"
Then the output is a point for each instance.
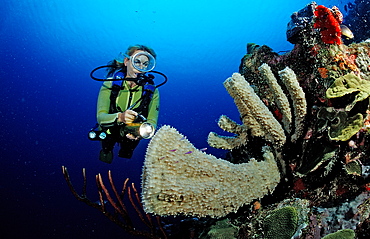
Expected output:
(126, 97)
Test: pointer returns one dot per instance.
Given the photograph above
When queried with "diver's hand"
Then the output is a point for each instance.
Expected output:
(127, 116)
(132, 137)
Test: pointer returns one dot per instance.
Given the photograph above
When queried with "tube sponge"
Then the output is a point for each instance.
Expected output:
(280, 98)
(298, 97)
(180, 179)
(260, 120)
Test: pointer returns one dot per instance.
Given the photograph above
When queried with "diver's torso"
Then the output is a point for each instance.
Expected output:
(128, 96)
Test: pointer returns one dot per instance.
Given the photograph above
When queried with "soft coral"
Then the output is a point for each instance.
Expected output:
(328, 25)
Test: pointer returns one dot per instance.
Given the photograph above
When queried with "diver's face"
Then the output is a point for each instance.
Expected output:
(141, 62)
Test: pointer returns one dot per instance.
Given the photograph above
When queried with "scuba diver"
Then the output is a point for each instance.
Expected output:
(128, 103)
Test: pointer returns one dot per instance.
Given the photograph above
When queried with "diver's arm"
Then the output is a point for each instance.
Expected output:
(103, 105)
(126, 117)
(154, 109)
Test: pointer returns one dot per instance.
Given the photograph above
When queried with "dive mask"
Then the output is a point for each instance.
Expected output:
(143, 61)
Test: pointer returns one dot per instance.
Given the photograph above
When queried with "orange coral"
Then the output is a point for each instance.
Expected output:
(352, 59)
(323, 72)
(342, 66)
(367, 119)
(256, 205)
(346, 62)
(315, 50)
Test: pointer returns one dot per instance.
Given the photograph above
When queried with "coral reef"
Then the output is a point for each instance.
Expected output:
(334, 100)
(326, 148)
(310, 107)
(180, 179)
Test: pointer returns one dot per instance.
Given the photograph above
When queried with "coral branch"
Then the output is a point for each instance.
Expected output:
(123, 207)
(160, 226)
(101, 200)
(120, 211)
(141, 205)
(136, 208)
(84, 187)
(124, 187)
(100, 181)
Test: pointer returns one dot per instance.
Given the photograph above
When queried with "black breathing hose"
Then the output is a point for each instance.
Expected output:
(101, 67)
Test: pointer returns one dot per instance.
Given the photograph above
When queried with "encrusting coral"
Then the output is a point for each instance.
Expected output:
(347, 84)
(222, 230)
(180, 179)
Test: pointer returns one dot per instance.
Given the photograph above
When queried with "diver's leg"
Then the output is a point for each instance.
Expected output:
(106, 153)
(127, 148)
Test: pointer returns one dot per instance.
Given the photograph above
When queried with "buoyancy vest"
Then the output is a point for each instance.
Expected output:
(146, 97)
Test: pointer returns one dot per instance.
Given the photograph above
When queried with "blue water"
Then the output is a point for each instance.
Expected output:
(47, 104)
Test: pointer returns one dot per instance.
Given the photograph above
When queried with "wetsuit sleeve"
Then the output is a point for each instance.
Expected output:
(102, 112)
(154, 109)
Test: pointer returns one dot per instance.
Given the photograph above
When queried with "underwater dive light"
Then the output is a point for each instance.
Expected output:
(144, 130)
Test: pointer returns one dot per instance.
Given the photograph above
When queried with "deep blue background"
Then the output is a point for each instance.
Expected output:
(47, 105)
